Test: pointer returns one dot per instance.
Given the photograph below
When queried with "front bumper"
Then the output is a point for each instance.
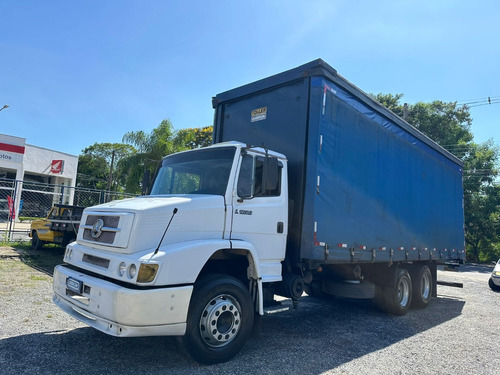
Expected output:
(120, 311)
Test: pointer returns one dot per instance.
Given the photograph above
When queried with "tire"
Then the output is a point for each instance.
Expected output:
(492, 285)
(422, 287)
(36, 243)
(222, 304)
(396, 299)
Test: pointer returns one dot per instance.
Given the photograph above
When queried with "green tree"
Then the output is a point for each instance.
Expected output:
(449, 125)
(98, 165)
(191, 138)
(151, 149)
(481, 201)
(482, 225)
(445, 123)
(92, 172)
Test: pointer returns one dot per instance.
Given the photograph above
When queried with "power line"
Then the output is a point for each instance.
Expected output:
(480, 102)
(485, 98)
(480, 105)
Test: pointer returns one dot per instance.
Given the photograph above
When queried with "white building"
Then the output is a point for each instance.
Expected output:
(27, 163)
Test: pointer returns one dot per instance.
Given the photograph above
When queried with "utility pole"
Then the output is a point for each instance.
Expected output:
(111, 170)
(405, 111)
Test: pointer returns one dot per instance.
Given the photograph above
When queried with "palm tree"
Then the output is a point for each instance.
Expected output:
(151, 148)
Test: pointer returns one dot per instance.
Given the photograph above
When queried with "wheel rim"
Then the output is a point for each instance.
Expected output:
(425, 286)
(220, 321)
(403, 292)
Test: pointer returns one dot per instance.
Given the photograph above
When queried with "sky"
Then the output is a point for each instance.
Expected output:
(75, 73)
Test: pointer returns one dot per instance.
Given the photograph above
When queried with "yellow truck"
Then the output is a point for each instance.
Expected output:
(60, 226)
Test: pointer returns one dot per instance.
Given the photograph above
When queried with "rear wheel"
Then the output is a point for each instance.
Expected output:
(422, 287)
(219, 321)
(36, 243)
(396, 299)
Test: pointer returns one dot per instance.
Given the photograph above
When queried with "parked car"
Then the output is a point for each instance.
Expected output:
(494, 281)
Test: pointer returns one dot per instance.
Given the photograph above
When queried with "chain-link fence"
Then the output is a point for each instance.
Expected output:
(21, 202)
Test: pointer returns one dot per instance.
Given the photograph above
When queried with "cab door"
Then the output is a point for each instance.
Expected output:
(260, 212)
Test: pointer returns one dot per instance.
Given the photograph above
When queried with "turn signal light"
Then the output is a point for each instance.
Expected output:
(147, 272)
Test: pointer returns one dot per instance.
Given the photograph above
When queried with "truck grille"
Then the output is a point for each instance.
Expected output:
(101, 228)
(106, 228)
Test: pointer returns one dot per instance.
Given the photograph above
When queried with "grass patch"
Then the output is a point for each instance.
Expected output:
(43, 260)
(29, 219)
(29, 269)
(38, 278)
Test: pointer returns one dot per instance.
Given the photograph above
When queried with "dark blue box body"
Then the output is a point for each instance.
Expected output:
(364, 185)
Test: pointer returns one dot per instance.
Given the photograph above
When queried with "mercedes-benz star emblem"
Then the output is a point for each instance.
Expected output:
(97, 228)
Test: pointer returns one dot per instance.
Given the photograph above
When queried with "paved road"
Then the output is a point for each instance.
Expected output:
(457, 334)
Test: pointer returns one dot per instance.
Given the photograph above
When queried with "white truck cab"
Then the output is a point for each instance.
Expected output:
(190, 258)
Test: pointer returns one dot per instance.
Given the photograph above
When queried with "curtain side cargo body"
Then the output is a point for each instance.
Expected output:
(364, 185)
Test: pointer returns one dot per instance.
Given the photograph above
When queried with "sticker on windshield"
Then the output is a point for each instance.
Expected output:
(259, 114)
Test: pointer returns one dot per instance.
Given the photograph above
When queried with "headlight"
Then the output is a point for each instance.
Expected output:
(496, 273)
(122, 268)
(132, 271)
(147, 273)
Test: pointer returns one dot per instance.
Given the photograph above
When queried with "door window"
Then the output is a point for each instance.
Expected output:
(252, 179)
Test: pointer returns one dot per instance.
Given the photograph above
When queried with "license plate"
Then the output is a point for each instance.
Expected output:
(74, 285)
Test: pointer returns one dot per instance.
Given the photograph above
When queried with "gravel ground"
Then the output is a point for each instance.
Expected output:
(456, 334)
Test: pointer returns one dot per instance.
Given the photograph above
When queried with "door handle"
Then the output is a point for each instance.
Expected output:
(279, 228)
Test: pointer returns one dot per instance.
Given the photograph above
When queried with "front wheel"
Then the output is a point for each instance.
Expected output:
(36, 243)
(492, 285)
(219, 321)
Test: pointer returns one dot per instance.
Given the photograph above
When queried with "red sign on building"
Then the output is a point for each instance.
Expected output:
(57, 166)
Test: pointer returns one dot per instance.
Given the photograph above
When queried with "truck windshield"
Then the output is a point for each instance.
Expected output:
(195, 172)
